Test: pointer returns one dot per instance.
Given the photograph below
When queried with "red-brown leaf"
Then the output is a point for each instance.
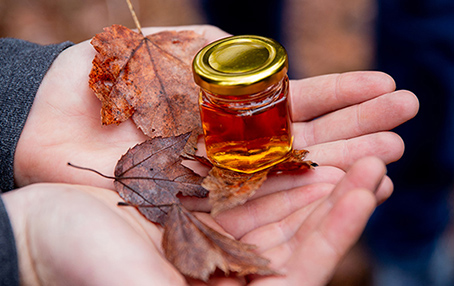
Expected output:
(228, 189)
(150, 175)
(148, 78)
(197, 250)
(295, 162)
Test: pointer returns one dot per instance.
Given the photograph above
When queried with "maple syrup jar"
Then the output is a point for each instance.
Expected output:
(243, 102)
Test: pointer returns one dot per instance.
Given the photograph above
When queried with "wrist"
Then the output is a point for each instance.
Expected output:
(16, 202)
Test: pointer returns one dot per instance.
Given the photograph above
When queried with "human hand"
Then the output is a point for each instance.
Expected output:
(310, 228)
(64, 124)
(77, 235)
(339, 118)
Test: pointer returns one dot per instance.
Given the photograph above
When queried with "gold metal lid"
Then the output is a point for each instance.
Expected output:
(240, 65)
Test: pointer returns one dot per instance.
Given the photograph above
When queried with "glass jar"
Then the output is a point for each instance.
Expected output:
(244, 102)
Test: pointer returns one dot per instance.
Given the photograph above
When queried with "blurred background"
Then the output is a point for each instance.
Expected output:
(323, 36)
(409, 241)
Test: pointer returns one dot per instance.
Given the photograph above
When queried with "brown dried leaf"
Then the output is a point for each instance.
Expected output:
(197, 251)
(148, 78)
(150, 175)
(295, 162)
(229, 188)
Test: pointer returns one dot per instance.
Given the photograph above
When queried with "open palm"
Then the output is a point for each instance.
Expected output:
(74, 234)
(339, 118)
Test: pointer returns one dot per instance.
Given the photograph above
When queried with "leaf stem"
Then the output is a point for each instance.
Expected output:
(134, 16)
(92, 170)
(118, 179)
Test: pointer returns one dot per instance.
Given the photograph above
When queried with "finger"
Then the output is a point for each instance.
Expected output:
(316, 96)
(336, 235)
(285, 223)
(211, 33)
(274, 184)
(384, 191)
(387, 146)
(256, 213)
(366, 174)
(313, 261)
(290, 180)
(378, 114)
(275, 234)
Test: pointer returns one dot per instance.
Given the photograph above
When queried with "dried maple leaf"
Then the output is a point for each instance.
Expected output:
(294, 162)
(151, 174)
(197, 250)
(148, 177)
(229, 188)
(148, 78)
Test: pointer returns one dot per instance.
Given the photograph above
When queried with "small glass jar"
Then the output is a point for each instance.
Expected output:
(244, 102)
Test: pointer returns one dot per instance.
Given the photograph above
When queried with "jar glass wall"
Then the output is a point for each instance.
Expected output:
(244, 102)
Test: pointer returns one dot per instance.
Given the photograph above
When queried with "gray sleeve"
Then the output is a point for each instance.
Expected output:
(22, 68)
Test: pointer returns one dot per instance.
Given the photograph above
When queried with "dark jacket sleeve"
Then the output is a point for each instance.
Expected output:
(22, 68)
(9, 272)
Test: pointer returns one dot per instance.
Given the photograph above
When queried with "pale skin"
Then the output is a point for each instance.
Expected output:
(76, 234)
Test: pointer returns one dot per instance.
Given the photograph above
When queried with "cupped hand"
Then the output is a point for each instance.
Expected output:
(305, 232)
(338, 118)
(64, 124)
(307, 245)
(77, 235)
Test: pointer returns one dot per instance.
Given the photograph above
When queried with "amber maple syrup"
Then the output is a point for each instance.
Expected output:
(244, 136)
